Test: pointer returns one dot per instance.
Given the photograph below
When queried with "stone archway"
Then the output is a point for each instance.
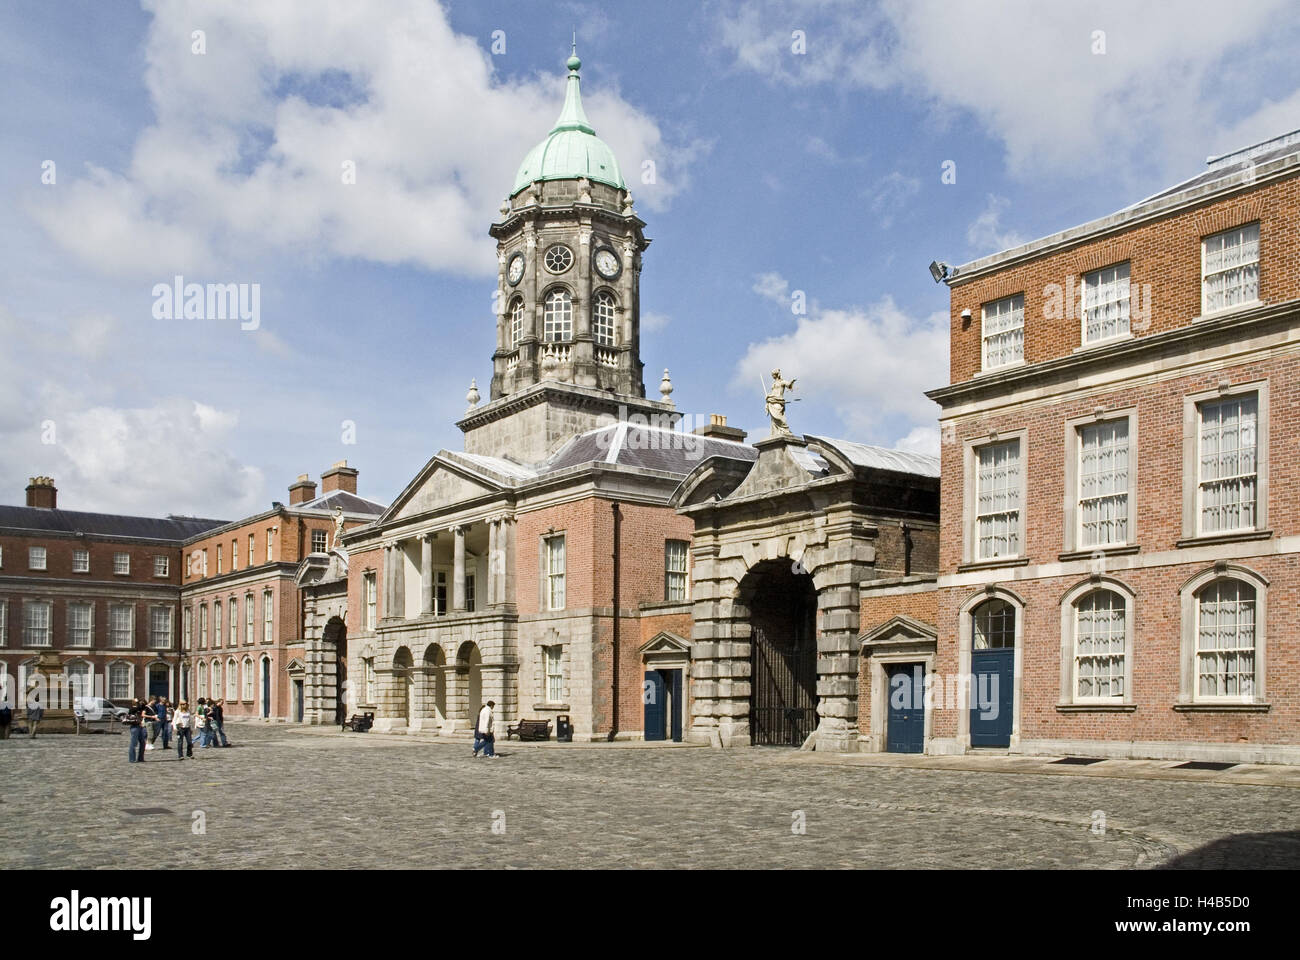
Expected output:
(781, 601)
(401, 704)
(433, 695)
(334, 696)
(467, 693)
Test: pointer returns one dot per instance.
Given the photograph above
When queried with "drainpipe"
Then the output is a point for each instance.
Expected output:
(617, 522)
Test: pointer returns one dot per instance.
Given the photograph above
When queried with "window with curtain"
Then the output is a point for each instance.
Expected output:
(1230, 268)
(1227, 464)
(1103, 483)
(1003, 336)
(1225, 640)
(1100, 631)
(997, 500)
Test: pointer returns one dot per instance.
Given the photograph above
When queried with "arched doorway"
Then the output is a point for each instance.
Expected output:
(160, 676)
(782, 605)
(469, 674)
(334, 640)
(435, 683)
(402, 664)
(266, 687)
(992, 672)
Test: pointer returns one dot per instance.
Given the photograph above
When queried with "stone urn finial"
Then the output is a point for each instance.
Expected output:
(505, 208)
(627, 204)
(549, 363)
(472, 398)
(666, 387)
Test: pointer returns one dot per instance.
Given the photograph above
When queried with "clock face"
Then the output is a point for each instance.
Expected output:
(558, 259)
(515, 272)
(607, 264)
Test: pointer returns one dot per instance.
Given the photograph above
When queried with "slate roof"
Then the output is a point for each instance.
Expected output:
(882, 458)
(350, 503)
(645, 448)
(104, 524)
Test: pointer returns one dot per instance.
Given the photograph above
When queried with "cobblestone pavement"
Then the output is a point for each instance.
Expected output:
(292, 797)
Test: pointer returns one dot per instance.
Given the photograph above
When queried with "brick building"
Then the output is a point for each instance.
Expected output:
(102, 590)
(241, 607)
(1141, 596)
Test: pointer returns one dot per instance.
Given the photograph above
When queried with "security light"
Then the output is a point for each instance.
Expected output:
(938, 270)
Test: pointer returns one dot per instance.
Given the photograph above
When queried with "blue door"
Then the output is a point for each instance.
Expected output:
(991, 696)
(655, 695)
(905, 730)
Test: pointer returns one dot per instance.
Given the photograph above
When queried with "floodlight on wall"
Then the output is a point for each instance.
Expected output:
(938, 270)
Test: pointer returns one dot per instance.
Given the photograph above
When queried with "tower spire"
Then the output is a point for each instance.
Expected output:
(572, 116)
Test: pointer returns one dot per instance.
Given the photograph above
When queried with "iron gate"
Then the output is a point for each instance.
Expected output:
(783, 710)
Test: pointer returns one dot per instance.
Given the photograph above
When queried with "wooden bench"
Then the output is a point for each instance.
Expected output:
(530, 730)
(359, 722)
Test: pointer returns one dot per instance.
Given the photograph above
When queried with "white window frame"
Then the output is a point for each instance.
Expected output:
(554, 592)
(1070, 609)
(1192, 488)
(269, 545)
(80, 560)
(187, 628)
(1249, 233)
(1073, 539)
(232, 679)
(677, 580)
(203, 626)
(232, 612)
(74, 641)
(973, 448)
(165, 641)
(218, 559)
(214, 677)
(250, 680)
(372, 599)
(1112, 288)
(234, 554)
(161, 566)
(201, 684)
(217, 625)
(117, 668)
(557, 316)
(516, 322)
(368, 671)
(1189, 695)
(122, 564)
(324, 541)
(268, 617)
(553, 667)
(250, 616)
(1013, 302)
(114, 630)
(38, 634)
(4, 623)
(37, 558)
(252, 549)
(604, 319)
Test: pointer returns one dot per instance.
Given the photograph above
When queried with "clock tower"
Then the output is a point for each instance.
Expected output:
(568, 324)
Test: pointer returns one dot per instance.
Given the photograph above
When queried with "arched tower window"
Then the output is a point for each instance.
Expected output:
(516, 322)
(558, 316)
(603, 319)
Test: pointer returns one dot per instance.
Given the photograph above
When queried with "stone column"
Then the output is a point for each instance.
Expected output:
(506, 544)
(388, 581)
(399, 582)
(458, 570)
(493, 563)
(720, 653)
(426, 574)
(848, 559)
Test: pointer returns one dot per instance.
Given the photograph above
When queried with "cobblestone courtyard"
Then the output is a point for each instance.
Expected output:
(300, 798)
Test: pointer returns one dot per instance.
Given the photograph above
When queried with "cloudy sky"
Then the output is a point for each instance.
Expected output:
(799, 148)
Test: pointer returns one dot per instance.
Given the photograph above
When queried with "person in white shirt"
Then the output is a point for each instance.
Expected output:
(484, 738)
(183, 724)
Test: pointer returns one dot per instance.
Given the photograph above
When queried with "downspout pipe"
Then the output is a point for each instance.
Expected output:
(618, 518)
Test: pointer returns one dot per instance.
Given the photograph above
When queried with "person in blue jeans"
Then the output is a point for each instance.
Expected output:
(183, 720)
(218, 712)
(201, 724)
(135, 721)
(484, 738)
(163, 710)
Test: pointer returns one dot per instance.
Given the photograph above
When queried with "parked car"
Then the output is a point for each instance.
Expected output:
(97, 708)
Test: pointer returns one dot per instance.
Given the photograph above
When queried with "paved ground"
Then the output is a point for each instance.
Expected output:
(297, 797)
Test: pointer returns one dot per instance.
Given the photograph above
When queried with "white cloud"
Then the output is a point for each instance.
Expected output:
(772, 286)
(867, 363)
(1027, 70)
(890, 195)
(920, 440)
(986, 233)
(246, 155)
(654, 322)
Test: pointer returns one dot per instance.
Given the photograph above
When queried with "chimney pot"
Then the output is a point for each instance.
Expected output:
(339, 477)
(718, 429)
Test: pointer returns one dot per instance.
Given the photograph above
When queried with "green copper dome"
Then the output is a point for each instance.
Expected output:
(572, 149)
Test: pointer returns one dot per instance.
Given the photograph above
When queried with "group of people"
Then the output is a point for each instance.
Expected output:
(147, 721)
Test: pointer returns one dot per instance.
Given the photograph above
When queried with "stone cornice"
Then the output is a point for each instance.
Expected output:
(562, 394)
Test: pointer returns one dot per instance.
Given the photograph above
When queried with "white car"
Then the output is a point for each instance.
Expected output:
(97, 708)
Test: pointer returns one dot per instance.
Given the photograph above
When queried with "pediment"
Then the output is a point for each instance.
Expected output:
(900, 630)
(665, 642)
(440, 485)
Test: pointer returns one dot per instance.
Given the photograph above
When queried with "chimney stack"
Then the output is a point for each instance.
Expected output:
(302, 490)
(718, 429)
(339, 477)
(42, 493)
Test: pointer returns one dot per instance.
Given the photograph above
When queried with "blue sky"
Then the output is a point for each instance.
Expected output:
(776, 171)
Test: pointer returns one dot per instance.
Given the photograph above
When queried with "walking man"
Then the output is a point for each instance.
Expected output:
(484, 738)
(136, 718)
(164, 721)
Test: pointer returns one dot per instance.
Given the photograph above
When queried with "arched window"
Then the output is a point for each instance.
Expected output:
(232, 679)
(995, 625)
(201, 688)
(248, 679)
(558, 316)
(1225, 639)
(603, 319)
(79, 682)
(516, 322)
(1100, 636)
(216, 679)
